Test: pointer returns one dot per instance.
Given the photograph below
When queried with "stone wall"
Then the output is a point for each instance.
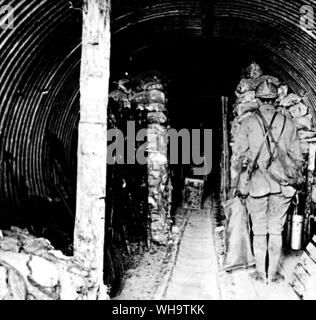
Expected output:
(159, 195)
(150, 98)
(143, 100)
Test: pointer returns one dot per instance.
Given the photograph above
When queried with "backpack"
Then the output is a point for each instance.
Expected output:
(282, 167)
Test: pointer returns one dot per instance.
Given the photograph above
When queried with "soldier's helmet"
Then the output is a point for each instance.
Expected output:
(267, 90)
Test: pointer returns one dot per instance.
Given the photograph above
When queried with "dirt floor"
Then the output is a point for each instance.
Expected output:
(143, 279)
(149, 273)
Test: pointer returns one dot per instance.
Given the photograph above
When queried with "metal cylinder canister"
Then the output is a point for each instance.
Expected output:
(297, 227)
(297, 232)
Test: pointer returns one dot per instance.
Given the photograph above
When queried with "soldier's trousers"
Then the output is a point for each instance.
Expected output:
(268, 214)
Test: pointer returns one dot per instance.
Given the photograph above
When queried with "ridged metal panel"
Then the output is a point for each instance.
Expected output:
(40, 92)
(29, 73)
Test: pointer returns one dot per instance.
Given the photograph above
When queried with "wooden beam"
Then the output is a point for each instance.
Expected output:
(225, 151)
(92, 141)
(308, 202)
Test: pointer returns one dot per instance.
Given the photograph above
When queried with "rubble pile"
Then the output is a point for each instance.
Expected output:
(31, 269)
(289, 104)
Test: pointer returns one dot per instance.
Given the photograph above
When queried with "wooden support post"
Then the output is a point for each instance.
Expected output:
(92, 142)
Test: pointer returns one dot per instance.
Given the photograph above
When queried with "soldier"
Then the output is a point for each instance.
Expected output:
(267, 201)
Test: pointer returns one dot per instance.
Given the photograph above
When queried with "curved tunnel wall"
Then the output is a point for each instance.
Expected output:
(40, 66)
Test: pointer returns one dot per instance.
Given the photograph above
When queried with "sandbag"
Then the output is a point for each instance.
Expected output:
(284, 111)
(249, 96)
(290, 100)
(283, 91)
(305, 134)
(246, 107)
(237, 236)
(298, 110)
(254, 71)
(304, 122)
(244, 86)
(244, 116)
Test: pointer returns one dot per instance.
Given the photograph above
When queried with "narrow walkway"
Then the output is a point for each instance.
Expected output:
(239, 286)
(194, 275)
(193, 270)
(197, 275)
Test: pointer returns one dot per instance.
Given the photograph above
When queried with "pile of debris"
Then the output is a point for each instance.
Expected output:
(290, 104)
(31, 269)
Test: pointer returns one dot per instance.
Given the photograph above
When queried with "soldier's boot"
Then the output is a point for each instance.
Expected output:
(275, 251)
(260, 251)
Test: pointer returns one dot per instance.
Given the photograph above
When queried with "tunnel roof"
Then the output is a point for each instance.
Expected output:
(40, 62)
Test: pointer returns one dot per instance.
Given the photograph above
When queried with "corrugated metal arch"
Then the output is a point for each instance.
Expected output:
(40, 92)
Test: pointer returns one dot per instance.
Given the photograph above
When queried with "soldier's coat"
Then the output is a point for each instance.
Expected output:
(247, 143)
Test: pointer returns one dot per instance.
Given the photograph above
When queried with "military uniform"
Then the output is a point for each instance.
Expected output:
(264, 192)
(268, 201)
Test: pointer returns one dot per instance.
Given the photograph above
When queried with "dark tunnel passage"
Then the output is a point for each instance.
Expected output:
(198, 72)
(199, 46)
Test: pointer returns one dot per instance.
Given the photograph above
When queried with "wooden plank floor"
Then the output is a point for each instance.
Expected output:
(239, 286)
(194, 276)
(195, 273)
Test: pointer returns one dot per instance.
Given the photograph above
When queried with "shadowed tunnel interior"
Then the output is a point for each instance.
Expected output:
(199, 46)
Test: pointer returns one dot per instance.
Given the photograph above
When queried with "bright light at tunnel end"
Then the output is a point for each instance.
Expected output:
(161, 148)
(6, 17)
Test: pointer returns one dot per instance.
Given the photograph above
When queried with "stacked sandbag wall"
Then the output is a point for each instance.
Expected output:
(142, 100)
(289, 104)
(151, 101)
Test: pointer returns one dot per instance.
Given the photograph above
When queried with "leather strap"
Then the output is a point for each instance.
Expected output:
(269, 130)
(266, 133)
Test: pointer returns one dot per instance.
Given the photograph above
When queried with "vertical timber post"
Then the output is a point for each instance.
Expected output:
(225, 155)
(92, 142)
(308, 203)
